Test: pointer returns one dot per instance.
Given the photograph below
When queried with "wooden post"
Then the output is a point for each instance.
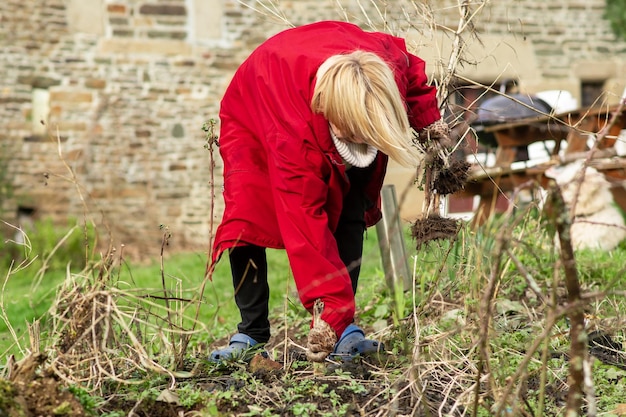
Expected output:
(391, 242)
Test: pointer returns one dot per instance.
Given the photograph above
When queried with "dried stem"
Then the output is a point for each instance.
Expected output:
(486, 303)
(599, 138)
(578, 336)
(457, 46)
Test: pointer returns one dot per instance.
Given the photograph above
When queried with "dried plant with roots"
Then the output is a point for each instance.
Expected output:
(101, 333)
(443, 175)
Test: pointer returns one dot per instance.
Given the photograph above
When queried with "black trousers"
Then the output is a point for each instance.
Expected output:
(249, 263)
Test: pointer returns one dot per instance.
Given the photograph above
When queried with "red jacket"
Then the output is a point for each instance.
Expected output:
(284, 180)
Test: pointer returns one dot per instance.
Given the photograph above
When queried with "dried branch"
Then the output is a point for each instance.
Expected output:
(578, 336)
(457, 46)
(503, 240)
(268, 8)
(590, 154)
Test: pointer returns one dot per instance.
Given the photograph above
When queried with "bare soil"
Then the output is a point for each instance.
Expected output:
(37, 396)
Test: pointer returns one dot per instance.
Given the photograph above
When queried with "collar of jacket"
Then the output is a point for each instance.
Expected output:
(325, 142)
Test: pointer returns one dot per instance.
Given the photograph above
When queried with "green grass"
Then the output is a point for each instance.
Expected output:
(442, 317)
(27, 296)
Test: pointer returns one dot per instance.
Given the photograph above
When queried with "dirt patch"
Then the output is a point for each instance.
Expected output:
(41, 396)
(303, 388)
(145, 408)
(607, 350)
(48, 397)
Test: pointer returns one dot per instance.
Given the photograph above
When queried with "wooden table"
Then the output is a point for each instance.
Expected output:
(513, 138)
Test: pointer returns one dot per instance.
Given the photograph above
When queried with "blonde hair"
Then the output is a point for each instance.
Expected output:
(357, 93)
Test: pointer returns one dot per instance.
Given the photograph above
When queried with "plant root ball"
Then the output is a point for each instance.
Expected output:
(452, 179)
(434, 227)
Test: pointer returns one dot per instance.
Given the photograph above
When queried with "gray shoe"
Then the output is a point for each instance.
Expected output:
(241, 346)
(353, 343)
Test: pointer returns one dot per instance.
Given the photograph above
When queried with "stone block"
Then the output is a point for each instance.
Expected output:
(167, 34)
(38, 81)
(71, 96)
(84, 16)
(73, 155)
(178, 167)
(77, 126)
(95, 83)
(133, 192)
(595, 69)
(124, 33)
(132, 47)
(117, 8)
(174, 211)
(163, 9)
(98, 193)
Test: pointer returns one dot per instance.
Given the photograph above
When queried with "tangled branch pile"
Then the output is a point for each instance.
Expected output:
(101, 332)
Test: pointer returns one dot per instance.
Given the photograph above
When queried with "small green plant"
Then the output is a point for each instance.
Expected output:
(356, 388)
(190, 395)
(610, 383)
(228, 398)
(89, 403)
(616, 14)
(113, 414)
(149, 394)
(304, 409)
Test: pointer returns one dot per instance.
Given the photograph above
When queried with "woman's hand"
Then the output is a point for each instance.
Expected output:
(437, 134)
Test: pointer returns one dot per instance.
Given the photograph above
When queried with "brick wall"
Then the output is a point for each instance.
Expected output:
(129, 84)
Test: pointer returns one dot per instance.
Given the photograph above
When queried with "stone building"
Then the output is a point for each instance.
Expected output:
(103, 101)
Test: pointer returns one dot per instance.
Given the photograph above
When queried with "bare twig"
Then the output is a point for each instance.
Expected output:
(503, 239)
(590, 154)
(578, 336)
(457, 46)
(210, 144)
(268, 8)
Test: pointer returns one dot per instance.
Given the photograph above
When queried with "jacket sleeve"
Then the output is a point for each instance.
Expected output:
(300, 193)
(421, 98)
(372, 190)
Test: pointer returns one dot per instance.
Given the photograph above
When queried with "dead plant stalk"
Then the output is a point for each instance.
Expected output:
(503, 239)
(578, 336)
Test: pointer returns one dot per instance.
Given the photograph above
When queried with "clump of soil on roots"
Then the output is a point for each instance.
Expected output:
(434, 227)
(453, 178)
(441, 178)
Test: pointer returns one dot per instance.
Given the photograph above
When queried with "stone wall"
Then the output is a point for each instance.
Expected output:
(126, 85)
